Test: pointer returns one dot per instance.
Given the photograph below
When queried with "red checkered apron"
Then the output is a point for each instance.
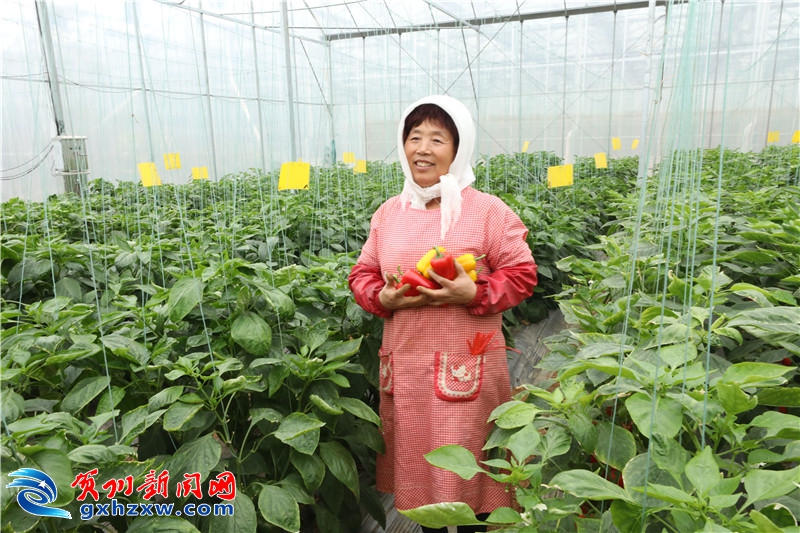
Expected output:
(433, 390)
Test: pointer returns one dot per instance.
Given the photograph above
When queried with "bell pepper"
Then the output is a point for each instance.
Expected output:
(469, 261)
(425, 263)
(415, 279)
(444, 265)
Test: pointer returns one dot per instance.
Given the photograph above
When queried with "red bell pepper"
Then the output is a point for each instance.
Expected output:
(415, 279)
(444, 264)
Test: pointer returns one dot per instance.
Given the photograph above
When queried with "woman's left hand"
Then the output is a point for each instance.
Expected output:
(460, 290)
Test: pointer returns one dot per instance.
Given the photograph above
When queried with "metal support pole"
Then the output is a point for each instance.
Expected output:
(139, 46)
(364, 87)
(774, 69)
(329, 77)
(651, 17)
(564, 94)
(289, 85)
(716, 70)
(208, 95)
(519, 71)
(258, 90)
(52, 69)
(611, 86)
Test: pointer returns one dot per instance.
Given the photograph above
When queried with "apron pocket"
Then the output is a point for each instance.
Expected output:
(458, 376)
(385, 382)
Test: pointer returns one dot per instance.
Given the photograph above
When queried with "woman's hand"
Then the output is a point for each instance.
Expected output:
(460, 290)
(394, 298)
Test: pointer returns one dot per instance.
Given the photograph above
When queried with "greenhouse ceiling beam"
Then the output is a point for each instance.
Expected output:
(239, 21)
(614, 7)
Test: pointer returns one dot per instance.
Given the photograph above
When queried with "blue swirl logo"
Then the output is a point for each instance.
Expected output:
(38, 491)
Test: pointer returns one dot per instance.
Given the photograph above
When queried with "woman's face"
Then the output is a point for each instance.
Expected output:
(430, 151)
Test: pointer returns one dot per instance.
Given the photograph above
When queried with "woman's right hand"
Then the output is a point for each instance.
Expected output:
(394, 298)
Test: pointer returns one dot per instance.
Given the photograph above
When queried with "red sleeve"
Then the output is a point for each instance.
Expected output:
(503, 289)
(366, 283)
(511, 274)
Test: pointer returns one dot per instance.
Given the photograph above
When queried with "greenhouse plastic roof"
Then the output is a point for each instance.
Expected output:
(324, 20)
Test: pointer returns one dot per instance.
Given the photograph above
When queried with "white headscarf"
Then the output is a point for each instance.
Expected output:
(460, 174)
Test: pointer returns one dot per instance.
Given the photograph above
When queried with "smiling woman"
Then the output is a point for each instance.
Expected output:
(440, 389)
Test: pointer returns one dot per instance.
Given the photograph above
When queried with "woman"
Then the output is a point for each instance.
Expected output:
(434, 389)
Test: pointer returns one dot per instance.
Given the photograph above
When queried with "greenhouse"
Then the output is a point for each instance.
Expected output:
(204, 204)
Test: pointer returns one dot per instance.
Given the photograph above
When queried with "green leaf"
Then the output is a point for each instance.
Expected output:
(315, 336)
(92, 454)
(300, 431)
(161, 524)
(456, 459)
(199, 455)
(514, 414)
(342, 350)
(244, 519)
(627, 517)
(280, 302)
(358, 408)
(778, 424)
(764, 524)
(524, 443)
(178, 414)
(311, 468)
(83, 392)
(584, 431)
(134, 422)
(703, 471)
(70, 288)
(58, 466)
(589, 486)
(765, 484)
(669, 455)
(780, 397)
(504, 515)
(666, 493)
(12, 405)
(555, 442)
(733, 399)
(324, 406)
(666, 420)
(438, 515)
(125, 347)
(341, 464)
(184, 296)
(252, 333)
(164, 397)
(755, 374)
(765, 322)
(615, 445)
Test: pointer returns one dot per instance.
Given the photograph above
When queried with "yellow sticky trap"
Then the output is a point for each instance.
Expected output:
(634, 144)
(294, 175)
(773, 136)
(616, 143)
(525, 146)
(200, 173)
(361, 167)
(149, 174)
(796, 137)
(172, 161)
(559, 176)
(349, 157)
(600, 160)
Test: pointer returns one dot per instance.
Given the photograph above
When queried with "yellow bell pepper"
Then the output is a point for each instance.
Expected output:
(469, 261)
(425, 263)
